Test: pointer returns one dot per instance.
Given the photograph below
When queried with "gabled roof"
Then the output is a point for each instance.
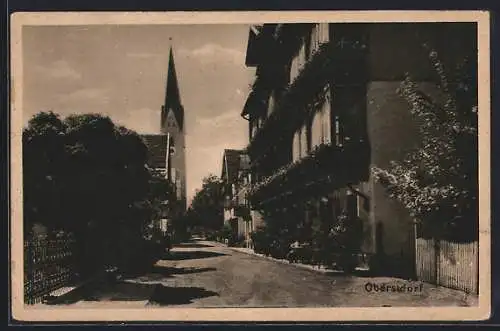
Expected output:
(233, 162)
(157, 149)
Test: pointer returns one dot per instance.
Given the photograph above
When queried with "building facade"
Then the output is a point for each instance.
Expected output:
(235, 179)
(323, 110)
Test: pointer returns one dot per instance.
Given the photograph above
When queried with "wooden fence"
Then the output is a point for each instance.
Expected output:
(48, 265)
(449, 264)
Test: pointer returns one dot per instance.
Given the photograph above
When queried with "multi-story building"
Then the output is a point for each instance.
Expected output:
(324, 109)
(235, 178)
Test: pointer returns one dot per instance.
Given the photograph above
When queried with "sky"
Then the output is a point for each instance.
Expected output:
(120, 71)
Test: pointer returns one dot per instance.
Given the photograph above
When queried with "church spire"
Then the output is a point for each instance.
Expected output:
(172, 94)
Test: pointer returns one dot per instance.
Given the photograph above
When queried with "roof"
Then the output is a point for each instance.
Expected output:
(251, 57)
(172, 94)
(157, 149)
(233, 162)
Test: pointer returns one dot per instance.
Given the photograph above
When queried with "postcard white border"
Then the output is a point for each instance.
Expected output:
(24, 313)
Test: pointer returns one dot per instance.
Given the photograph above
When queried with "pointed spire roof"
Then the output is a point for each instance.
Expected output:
(172, 94)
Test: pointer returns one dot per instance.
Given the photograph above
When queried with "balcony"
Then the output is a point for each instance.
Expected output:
(324, 169)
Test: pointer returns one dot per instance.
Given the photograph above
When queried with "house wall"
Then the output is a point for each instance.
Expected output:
(241, 227)
(396, 49)
(392, 132)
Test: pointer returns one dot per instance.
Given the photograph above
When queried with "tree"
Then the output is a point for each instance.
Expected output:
(88, 176)
(43, 166)
(438, 182)
(207, 205)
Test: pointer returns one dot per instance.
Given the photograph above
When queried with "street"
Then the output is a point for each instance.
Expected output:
(206, 274)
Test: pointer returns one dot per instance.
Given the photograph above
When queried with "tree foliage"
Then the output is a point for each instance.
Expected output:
(438, 182)
(86, 175)
(207, 205)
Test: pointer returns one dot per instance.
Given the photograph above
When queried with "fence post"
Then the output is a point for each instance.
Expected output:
(415, 250)
(437, 254)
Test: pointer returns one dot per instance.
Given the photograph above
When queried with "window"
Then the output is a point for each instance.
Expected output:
(308, 47)
(272, 102)
(319, 36)
(298, 62)
(301, 145)
(321, 131)
(254, 128)
(296, 146)
(316, 128)
(304, 148)
(323, 32)
(326, 129)
(314, 40)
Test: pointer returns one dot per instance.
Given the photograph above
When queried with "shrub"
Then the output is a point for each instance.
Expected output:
(345, 240)
(261, 241)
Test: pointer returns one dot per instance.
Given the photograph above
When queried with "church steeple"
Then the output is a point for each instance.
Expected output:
(172, 94)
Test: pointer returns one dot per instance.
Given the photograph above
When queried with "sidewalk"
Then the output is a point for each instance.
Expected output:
(320, 269)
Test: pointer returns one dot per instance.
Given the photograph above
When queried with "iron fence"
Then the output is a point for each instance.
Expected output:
(48, 265)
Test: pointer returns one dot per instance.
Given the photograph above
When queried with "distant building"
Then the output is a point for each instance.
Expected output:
(235, 178)
(324, 108)
(173, 125)
(157, 162)
(170, 165)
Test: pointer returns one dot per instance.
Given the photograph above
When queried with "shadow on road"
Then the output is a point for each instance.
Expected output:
(157, 273)
(167, 271)
(192, 245)
(164, 295)
(191, 255)
(154, 293)
(122, 291)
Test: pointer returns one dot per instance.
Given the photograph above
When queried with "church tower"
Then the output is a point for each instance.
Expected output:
(172, 124)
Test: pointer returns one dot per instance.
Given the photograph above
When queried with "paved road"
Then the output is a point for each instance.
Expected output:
(204, 274)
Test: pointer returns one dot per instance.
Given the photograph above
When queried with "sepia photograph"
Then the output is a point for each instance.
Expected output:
(243, 167)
